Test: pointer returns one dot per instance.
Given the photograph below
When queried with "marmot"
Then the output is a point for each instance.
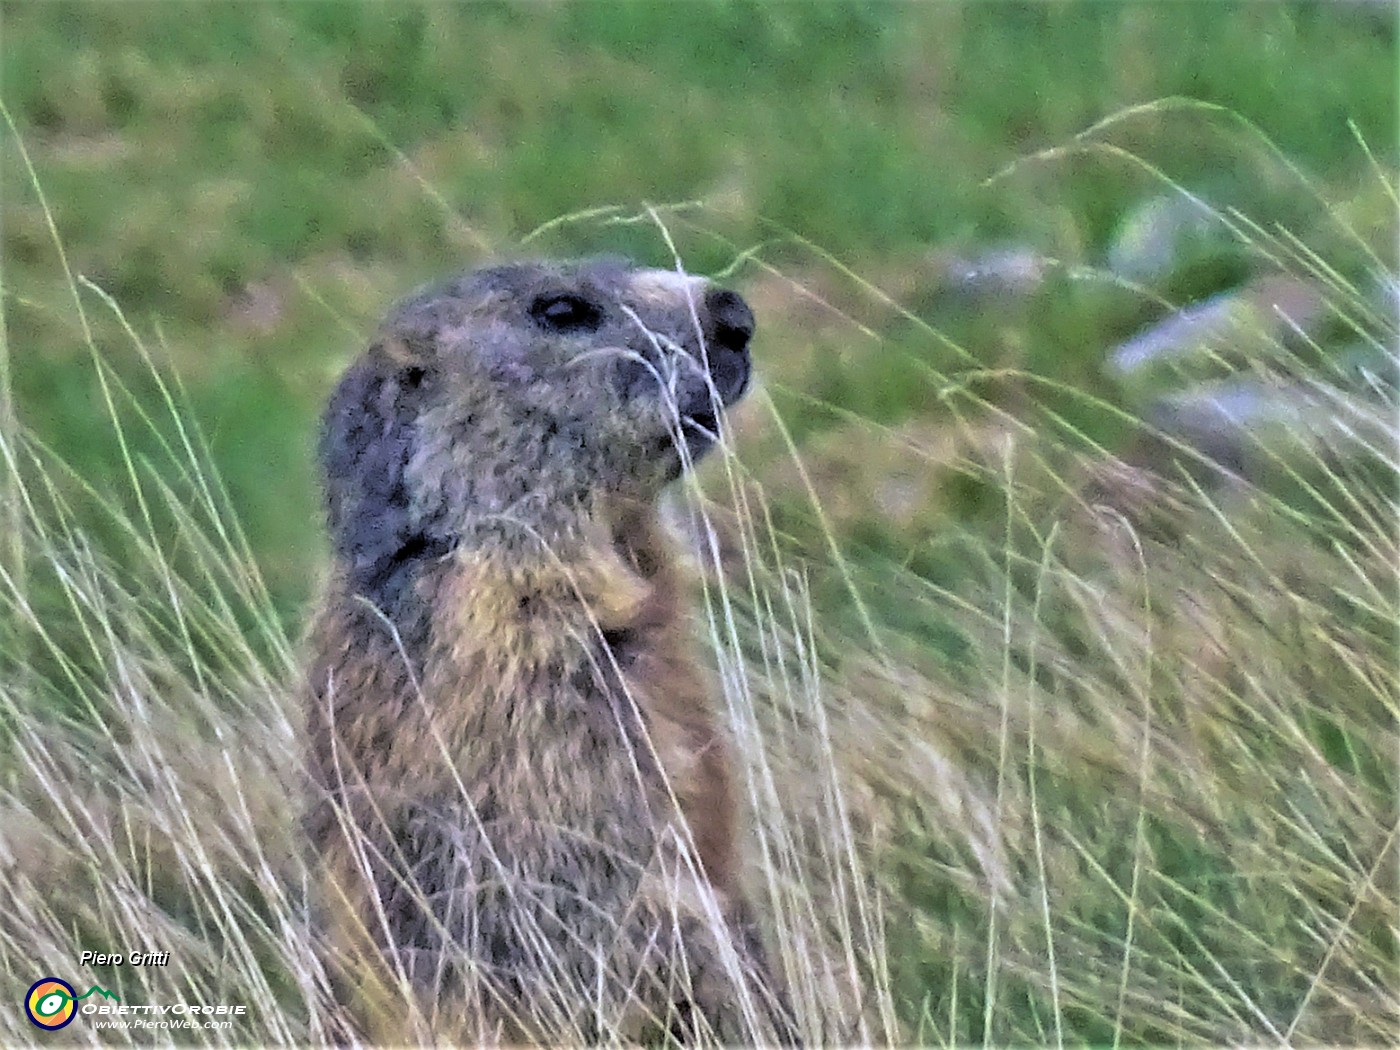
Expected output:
(527, 814)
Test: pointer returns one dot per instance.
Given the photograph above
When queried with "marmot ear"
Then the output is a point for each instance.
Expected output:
(368, 434)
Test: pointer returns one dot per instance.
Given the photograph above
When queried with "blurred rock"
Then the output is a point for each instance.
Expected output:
(1234, 421)
(995, 272)
(1252, 382)
(1159, 237)
(1184, 332)
(1239, 324)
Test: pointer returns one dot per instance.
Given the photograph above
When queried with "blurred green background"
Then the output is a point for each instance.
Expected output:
(254, 184)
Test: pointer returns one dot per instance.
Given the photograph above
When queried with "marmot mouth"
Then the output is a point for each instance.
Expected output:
(701, 424)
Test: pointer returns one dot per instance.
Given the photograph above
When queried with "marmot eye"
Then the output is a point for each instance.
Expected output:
(566, 313)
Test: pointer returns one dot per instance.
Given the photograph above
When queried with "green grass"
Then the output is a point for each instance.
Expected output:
(343, 153)
(1105, 749)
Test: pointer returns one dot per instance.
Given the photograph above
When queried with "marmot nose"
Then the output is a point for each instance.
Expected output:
(732, 319)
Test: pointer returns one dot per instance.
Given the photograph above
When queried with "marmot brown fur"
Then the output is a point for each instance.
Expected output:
(527, 816)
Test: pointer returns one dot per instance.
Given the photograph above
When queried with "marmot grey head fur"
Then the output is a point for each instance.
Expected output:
(572, 382)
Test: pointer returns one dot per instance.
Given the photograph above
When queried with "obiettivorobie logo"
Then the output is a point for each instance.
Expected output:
(51, 1004)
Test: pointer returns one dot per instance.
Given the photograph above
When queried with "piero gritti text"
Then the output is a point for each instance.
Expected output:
(124, 958)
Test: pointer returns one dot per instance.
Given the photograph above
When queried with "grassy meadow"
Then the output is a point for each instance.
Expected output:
(1064, 719)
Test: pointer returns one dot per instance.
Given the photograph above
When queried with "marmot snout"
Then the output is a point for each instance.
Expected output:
(527, 811)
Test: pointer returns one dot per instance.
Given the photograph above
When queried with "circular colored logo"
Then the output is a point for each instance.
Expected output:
(49, 1003)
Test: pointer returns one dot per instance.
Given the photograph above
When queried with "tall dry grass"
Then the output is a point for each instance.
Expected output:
(1151, 798)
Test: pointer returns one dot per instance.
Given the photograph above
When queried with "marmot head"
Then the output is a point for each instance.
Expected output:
(509, 400)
